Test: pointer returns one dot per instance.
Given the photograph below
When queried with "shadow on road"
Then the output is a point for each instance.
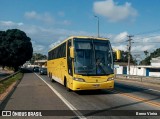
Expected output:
(27, 70)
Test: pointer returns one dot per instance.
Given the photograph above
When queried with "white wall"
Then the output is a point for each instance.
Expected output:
(140, 71)
(136, 70)
(119, 70)
(154, 74)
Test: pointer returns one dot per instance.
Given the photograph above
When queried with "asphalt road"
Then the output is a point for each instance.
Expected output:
(123, 97)
(126, 99)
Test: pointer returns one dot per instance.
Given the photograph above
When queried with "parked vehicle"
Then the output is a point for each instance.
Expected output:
(43, 71)
(35, 69)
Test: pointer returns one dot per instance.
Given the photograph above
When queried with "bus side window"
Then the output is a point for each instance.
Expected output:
(69, 59)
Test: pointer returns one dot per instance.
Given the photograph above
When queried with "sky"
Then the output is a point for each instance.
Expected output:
(48, 22)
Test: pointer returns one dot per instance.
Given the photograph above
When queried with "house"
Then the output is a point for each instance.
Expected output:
(151, 70)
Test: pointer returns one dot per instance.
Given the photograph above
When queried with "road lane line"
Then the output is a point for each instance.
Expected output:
(137, 98)
(71, 107)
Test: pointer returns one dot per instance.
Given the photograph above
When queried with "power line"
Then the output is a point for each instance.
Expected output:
(147, 32)
(147, 42)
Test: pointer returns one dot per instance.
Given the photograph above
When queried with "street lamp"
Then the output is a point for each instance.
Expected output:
(97, 24)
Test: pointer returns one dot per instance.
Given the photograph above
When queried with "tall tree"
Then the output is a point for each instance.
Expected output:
(146, 53)
(16, 48)
(2, 49)
(124, 57)
(38, 56)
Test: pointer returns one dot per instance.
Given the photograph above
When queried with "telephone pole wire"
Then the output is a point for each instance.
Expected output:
(129, 52)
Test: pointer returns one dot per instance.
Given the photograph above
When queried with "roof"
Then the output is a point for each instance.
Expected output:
(40, 61)
(71, 37)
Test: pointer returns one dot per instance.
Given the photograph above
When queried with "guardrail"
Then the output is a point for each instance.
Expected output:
(7, 77)
(148, 79)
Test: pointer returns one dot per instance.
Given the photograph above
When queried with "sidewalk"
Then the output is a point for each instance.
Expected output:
(142, 79)
(33, 94)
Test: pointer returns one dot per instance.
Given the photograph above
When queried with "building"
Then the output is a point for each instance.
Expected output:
(152, 70)
(155, 62)
(40, 62)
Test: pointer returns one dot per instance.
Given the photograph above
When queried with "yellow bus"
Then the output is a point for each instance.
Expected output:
(82, 63)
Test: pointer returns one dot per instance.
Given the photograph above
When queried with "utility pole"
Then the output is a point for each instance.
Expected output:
(129, 53)
(97, 24)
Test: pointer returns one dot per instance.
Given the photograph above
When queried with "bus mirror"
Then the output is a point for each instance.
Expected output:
(116, 54)
(72, 52)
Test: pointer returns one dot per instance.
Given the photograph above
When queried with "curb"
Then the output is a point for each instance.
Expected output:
(144, 80)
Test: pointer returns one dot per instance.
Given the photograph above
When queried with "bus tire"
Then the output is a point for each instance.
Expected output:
(52, 80)
(66, 85)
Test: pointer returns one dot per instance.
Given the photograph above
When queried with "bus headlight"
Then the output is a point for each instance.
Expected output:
(79, 79)
(109, 79)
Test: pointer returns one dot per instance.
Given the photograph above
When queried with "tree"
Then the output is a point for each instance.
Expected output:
(124, 57)
(147, 60)
(15, 48)
(146, 53)
(2, 49)
(38, 56)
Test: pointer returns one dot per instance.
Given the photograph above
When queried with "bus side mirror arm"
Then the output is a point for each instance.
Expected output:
(72, 52)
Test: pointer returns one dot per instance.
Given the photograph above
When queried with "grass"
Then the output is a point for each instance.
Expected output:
(5, 84)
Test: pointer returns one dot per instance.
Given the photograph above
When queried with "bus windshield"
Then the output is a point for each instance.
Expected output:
(93, 57)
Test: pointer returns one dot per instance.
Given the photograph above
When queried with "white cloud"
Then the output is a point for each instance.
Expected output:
(45, 17)
(120, 37)
(45, 38)
(139, 44)
(142, 47)
(114, 12)
(38, 48)
(120, 47)
(65, 22)
(61, 13)
(10, 23)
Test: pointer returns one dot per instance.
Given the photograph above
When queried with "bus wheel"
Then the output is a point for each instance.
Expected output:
(66, 85)
(52, 80)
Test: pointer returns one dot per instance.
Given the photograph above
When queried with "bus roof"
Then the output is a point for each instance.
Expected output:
(72, 37)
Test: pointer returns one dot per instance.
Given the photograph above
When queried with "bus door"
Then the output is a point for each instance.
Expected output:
(69, 62)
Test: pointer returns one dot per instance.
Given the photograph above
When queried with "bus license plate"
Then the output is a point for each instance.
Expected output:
(96, 85)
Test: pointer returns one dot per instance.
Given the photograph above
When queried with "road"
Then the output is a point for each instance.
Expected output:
(125, 98)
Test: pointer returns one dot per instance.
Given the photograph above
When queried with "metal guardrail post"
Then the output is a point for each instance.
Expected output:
(3, 79)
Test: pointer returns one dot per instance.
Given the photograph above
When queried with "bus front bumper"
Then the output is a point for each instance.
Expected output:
(92, 86)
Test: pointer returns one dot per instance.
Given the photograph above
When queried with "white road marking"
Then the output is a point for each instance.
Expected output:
(71, 107)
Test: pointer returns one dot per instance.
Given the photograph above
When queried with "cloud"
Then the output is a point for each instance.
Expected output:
(139, 43)
(142, 47)
(120, 37)
(65, 22)
(44, 17)
(114, 12)
(38, 48)
(44, 38)
(10, 23)
(61, 14)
